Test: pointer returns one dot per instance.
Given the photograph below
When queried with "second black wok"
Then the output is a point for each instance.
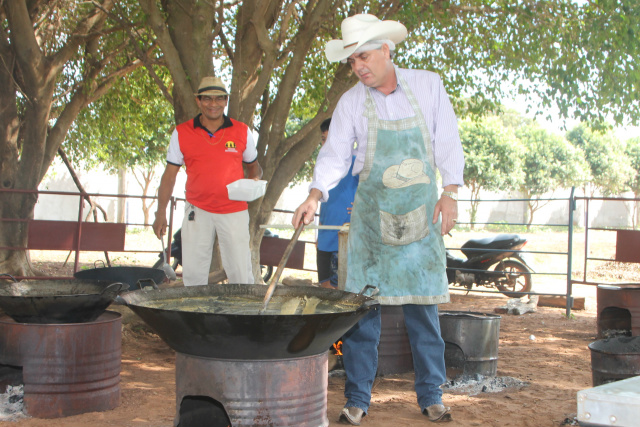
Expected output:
(57, 301)
(135, 277)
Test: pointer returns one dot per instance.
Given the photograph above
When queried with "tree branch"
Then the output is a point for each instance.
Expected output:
(82, 33)
(172, 57)
(23, 39)
(76, 180)
(86, 93)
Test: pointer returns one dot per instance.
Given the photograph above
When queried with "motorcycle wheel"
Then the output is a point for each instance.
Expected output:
(266, 271)
(516, 278)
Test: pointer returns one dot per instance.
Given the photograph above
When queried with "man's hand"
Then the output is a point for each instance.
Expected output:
(160, 224)
(449, 210)
(308, 208)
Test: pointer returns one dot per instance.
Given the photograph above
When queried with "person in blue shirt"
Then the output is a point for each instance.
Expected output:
(335, 211)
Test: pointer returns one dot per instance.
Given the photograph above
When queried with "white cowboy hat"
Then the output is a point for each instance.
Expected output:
(359, 29)
(409, 172)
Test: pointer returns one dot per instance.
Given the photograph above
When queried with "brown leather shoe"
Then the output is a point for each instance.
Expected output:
(438, 413)
(351, 415)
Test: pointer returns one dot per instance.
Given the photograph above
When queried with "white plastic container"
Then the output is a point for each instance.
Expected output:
(612, 404)
(246, 190)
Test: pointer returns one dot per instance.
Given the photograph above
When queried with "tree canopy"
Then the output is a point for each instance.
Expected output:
(610, 168)
(582, 57)
(128, 127)
(550, 163)
(493, 158)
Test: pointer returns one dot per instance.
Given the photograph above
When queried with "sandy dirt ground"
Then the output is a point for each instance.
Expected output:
(544, 349)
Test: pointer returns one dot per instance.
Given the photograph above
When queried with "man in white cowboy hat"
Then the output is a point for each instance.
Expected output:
(405, 128)
(213, 148)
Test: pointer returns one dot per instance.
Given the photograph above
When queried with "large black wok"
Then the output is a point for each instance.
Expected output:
(135, 277)
(57, 301)
(223, 321)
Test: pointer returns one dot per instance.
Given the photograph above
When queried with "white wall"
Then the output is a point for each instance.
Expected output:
(56, 207)
(60, 207)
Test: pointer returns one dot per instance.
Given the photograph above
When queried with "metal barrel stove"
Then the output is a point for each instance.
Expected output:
(67, 369)
(471, 342)
(241, 366)
(614, 359)
(618, 309)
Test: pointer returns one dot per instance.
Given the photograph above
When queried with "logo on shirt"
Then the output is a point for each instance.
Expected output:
(230, 147)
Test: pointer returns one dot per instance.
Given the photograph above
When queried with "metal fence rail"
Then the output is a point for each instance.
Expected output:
(537, 273)
(80, 239)
(73, 236)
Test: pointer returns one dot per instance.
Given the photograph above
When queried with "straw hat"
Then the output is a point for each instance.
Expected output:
(359, 29)
(211, 86)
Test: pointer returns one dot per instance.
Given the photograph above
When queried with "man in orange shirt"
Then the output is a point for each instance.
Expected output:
(213, 148)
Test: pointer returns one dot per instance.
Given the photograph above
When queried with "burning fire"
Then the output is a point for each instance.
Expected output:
(337, 348)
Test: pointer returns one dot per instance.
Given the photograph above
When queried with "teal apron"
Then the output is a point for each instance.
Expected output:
(393, 243)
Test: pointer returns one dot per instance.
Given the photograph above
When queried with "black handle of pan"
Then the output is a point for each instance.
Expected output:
(110, 289)
(367, 305)
(374, 290)
(149, 281)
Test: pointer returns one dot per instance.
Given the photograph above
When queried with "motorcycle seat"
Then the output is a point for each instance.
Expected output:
(501, 241)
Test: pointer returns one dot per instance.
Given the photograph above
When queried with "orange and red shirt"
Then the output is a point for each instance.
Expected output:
(212, 161)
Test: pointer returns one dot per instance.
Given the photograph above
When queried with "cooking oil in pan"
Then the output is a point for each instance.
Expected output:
(300, 305)
(279, 305)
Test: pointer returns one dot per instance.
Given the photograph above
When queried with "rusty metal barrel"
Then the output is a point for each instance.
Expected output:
(471, 342)
(394, 350)
(618, 308)
(614, 359)
(274, 392)
(68, 369)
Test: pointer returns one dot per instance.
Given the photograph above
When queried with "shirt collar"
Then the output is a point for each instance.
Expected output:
(225, 124)
(398, 86)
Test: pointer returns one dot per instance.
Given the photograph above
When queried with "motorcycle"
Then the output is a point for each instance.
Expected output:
(176, 254)
(492, 262)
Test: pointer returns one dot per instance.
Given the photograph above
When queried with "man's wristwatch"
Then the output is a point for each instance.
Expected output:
(451, 194)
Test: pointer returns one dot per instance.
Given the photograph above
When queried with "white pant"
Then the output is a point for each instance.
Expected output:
(198, 237)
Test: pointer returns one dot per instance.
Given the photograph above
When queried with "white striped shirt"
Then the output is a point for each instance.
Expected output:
(349, 126)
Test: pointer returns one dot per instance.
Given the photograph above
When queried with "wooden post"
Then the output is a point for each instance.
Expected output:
(343, 237)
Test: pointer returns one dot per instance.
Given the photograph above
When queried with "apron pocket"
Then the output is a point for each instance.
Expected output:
(399, 230)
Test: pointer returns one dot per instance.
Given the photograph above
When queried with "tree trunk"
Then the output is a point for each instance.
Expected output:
(475, 193)
(122, 189)
(635, 218)
(13, 234)
(33, 133)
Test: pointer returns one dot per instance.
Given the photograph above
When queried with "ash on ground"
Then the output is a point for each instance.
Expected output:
(476, 384)
(337, 373)
(12, 404)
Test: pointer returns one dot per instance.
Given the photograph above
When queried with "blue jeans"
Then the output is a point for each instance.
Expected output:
(360, 355)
